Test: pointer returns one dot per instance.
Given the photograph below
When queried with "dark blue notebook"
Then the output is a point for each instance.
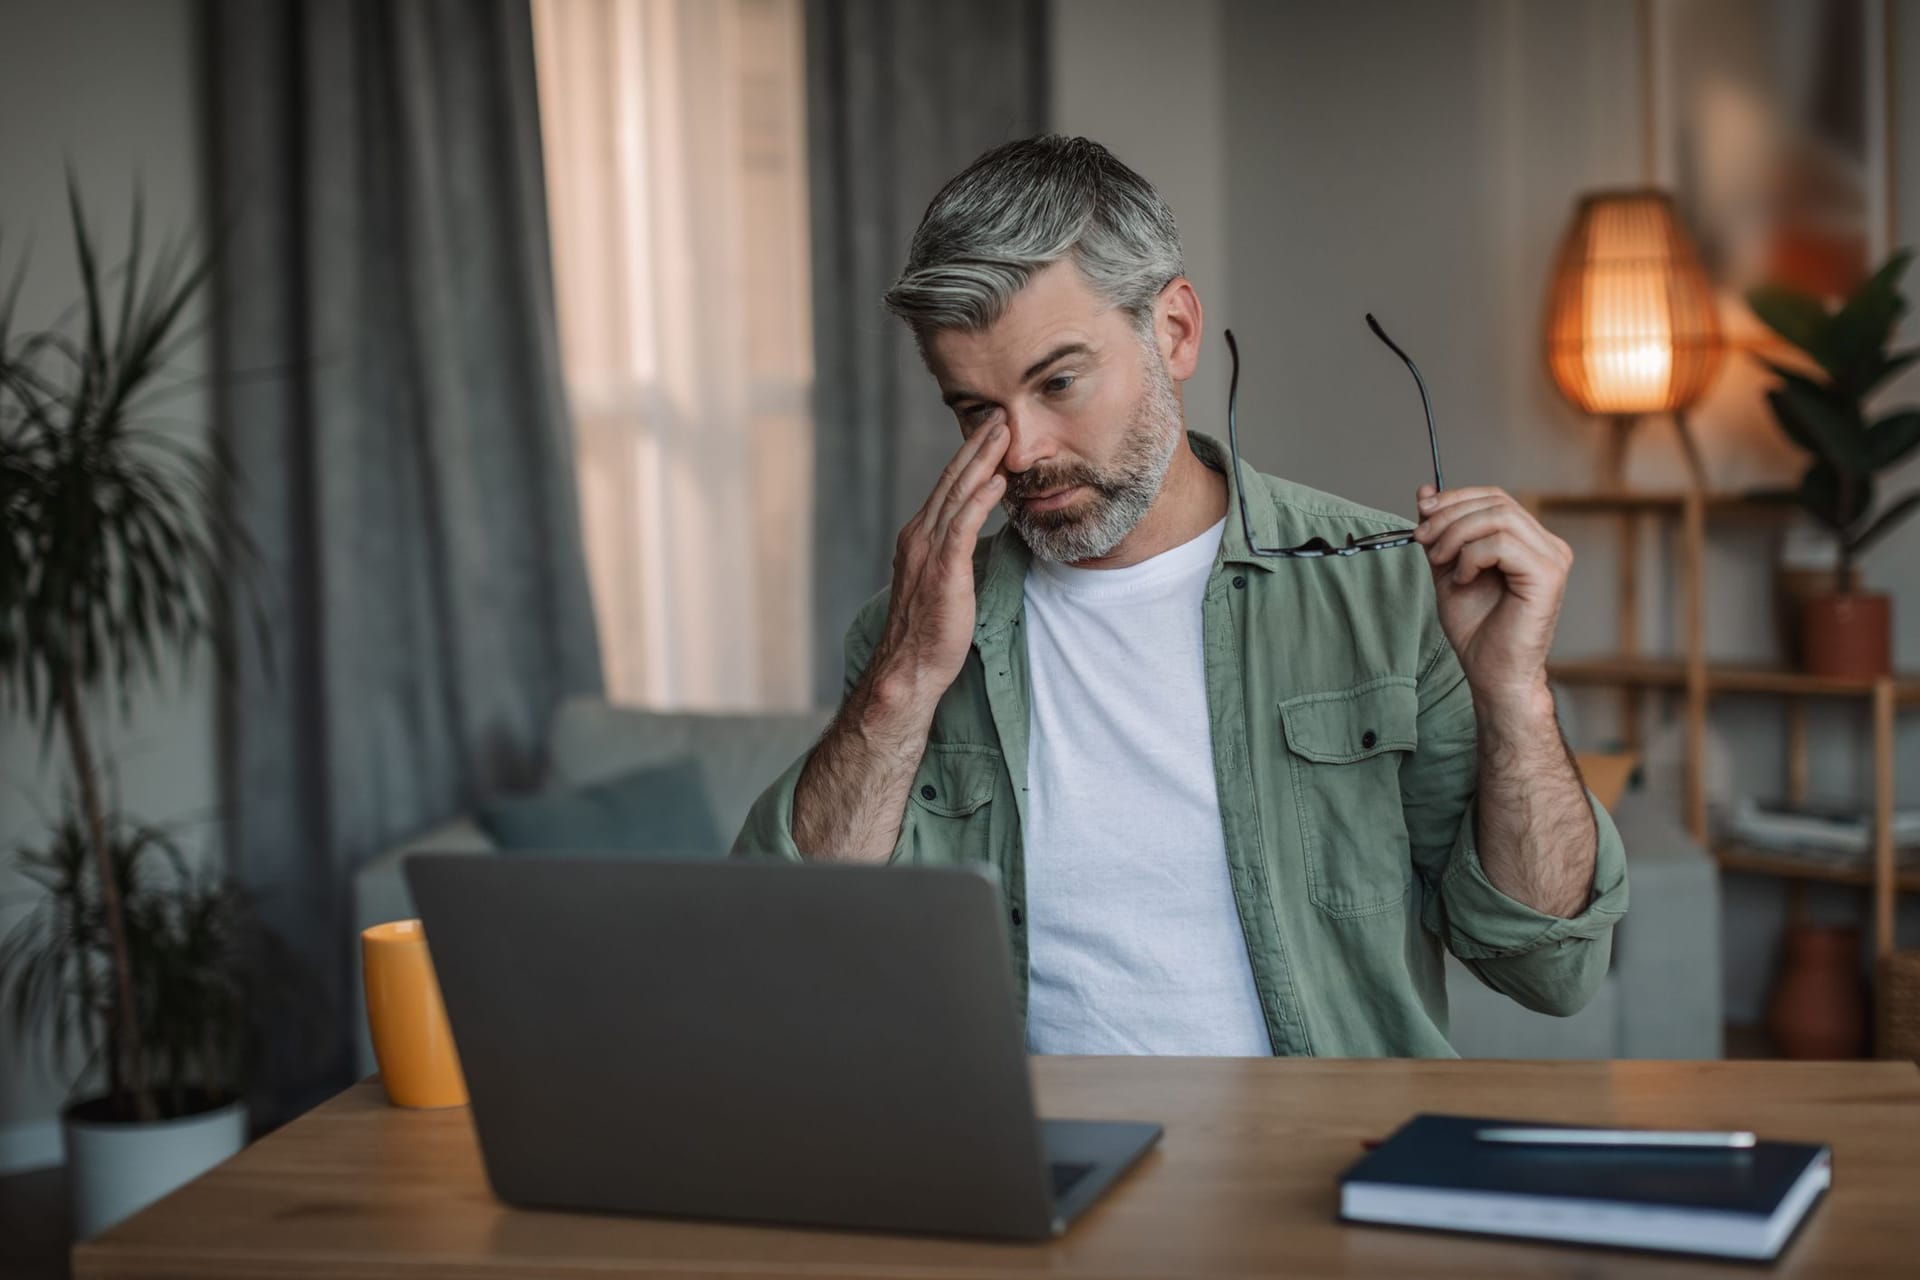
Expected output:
(1434, 1173)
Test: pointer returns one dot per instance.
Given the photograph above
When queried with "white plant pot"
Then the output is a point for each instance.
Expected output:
(116, 1169)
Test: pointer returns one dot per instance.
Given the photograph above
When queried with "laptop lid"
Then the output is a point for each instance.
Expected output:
(817, 1044)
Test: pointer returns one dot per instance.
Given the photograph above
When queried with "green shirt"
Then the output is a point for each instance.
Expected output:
(1344, 756)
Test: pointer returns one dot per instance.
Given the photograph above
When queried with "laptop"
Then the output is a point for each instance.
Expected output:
(814, 1044)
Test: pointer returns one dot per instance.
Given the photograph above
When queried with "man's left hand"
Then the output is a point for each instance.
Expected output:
(1500, 577)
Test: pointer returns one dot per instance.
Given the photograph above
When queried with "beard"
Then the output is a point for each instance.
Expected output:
(1118, 494)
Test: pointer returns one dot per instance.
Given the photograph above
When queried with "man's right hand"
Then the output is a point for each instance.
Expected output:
(852, 793)
(929, 624)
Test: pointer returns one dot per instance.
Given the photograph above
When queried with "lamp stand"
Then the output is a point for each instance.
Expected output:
(1613, 465)
(1696, 468)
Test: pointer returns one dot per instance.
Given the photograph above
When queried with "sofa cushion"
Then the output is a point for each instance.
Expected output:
(662, 809)
(739, 754)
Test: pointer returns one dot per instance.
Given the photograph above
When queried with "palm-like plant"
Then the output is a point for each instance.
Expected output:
(1825, 412)
(201, 962)
(110, 543)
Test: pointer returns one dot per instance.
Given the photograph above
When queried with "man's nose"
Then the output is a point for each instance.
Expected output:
(1027, 442)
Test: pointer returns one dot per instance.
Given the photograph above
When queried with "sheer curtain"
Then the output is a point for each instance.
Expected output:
(676, 185)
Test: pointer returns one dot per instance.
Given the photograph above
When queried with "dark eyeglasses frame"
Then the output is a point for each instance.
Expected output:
(1318, 548)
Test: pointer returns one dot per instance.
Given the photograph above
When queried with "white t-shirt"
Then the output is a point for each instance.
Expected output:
(1134, 943)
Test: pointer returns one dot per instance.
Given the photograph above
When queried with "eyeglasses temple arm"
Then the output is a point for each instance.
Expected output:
(1433, 439)
(1233, 438)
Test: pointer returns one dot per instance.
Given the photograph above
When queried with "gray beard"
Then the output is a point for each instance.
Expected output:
(1122, 492)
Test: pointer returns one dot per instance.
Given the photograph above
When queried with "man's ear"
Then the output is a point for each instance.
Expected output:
(1177, 320)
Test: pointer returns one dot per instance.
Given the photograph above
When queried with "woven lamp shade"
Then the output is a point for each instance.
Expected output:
(1631, 326)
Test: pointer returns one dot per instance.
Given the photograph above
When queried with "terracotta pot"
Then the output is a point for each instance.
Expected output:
(1792, 588)
(1819, 1005)
(1848, 635)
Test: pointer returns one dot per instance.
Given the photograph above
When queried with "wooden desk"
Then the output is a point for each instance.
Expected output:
(1242, 1184)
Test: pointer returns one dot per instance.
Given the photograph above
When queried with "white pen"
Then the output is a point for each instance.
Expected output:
(1615, 1138)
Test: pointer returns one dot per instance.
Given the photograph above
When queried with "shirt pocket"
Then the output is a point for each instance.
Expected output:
(950, 806)
(1344, 751)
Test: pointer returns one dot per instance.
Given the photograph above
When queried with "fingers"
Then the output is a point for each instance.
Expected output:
(963, 496)
(1432, 503)
(1489, 539)
(1497, 551)
(1444, 537)
(992, 435)
(982, 467)
(1448, 528)
(1468, 531)
(1528, 570)
(962, 531)
(1434, 530)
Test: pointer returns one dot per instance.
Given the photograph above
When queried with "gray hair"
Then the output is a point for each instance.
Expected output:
(1022, 207)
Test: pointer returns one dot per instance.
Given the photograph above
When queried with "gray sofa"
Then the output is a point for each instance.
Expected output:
(591, 742)
(1661, 999)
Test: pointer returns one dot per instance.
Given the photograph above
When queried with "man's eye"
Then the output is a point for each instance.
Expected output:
(973, 413)
(1058, 383)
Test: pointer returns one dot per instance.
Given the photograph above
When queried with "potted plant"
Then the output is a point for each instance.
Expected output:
(202, 969)
(1823, 409)
(111, 560)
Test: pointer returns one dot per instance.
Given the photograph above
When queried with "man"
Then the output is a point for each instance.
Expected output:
(1239, 803)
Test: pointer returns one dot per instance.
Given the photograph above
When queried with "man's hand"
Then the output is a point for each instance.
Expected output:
(1500, 577)
(852, 792)
(929, 626)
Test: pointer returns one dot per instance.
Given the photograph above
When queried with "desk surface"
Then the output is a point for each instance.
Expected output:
(1243, 1183)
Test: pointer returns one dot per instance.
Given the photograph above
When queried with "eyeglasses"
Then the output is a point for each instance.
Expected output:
(1315, 548)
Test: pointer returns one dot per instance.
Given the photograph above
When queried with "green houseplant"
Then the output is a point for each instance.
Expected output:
(114, 556)
(199, 959)
(1823, 408)
(203, 968)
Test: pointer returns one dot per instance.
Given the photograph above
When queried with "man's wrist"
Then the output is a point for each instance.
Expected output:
(892, 707)
(1516, 714)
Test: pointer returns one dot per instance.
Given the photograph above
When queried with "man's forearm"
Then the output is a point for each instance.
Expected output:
(1536, 834)
(852, 792)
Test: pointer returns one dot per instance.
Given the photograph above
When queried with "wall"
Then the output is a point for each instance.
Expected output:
(1420, 161)
(110, 86)
(1145, 77)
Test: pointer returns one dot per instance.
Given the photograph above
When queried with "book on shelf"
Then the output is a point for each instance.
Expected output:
(1828, 834)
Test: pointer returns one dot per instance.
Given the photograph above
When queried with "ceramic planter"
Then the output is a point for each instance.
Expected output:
(116, 1168)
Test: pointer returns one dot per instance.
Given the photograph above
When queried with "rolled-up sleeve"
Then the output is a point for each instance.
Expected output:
(768, 830)
(1548, 963)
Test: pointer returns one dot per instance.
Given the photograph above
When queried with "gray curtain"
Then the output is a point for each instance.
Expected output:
(901, 96)
(389, 386)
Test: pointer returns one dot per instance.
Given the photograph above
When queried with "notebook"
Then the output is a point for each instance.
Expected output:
(1433, 1173)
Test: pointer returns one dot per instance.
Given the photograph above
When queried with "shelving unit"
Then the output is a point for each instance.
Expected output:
(1693, 677)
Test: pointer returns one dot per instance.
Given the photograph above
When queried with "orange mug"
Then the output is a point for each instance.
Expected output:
(411, 1039)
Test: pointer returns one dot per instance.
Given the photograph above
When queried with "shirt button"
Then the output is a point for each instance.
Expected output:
(1367, 740)
(1239, 583)
(928, 793)
(1016, 917)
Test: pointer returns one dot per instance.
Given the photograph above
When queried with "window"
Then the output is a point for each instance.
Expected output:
(674, 133)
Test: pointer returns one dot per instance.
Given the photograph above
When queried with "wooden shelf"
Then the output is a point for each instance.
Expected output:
(1658, 502)
(1768, 862)
(1683, 518)
(1671, 673)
